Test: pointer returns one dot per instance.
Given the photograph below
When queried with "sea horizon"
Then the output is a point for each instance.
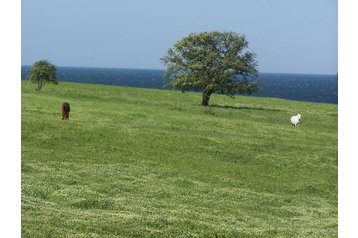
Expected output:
(163, 69)
(321, 88)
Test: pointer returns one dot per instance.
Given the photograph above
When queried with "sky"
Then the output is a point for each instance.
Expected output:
(288, 36)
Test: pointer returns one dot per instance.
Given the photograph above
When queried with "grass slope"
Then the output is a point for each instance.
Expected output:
(136, 162)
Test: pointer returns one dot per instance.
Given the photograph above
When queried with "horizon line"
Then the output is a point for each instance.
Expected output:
(104, 67)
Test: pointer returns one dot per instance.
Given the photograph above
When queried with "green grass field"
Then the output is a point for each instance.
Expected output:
(136, 162)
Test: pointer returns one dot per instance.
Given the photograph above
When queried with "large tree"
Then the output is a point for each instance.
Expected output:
(211, 62)
(42, 72)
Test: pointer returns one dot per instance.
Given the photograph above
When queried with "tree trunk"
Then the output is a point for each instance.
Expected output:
(39, 85)
(206, 98)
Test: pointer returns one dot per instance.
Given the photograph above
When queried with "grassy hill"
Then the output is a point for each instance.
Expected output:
(136, 162)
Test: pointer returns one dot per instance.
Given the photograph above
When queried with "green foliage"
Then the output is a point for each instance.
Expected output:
(211, 62)
(137, 162)
(42, 72)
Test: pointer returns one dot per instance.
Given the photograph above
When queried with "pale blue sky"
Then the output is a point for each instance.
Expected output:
(288, 36)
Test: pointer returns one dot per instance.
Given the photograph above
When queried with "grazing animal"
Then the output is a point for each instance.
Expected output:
(295, 120)
(65, 111)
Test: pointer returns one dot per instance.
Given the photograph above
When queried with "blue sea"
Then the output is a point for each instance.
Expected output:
(302, 87)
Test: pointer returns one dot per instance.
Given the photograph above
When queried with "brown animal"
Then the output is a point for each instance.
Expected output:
(65, 111)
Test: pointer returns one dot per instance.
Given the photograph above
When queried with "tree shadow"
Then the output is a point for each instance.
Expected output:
(246, 108)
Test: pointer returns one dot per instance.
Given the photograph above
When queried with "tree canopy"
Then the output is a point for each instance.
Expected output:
(42, 72)
(211, 62)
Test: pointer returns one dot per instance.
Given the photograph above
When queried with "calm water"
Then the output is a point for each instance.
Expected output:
(303, 87)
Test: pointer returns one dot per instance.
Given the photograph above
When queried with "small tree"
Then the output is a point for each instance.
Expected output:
(42, 72)
(211, 62)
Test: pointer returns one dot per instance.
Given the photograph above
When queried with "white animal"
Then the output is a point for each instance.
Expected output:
(295, 120)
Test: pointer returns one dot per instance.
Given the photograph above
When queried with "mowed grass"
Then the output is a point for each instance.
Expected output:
(136, 162)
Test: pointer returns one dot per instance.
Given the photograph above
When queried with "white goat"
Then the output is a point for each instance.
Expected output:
(295, 120)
